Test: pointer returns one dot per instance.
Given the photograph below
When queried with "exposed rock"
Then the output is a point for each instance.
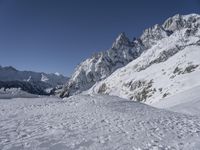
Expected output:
(102, 64)
(163, 41)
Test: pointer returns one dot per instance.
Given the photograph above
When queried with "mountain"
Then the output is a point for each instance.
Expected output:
(175, 42)
(32, 82)
(11, 74)
(102, 64)
(171, 65)
(37, 88)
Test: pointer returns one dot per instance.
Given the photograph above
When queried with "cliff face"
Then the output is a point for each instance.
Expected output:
(171, 65)
(101, 65)
(181, 31)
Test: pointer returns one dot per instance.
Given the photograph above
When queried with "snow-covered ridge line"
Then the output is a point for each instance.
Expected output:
(11, 74)
(169, 67)
(184, 29)
(32, 82)
(102, 64)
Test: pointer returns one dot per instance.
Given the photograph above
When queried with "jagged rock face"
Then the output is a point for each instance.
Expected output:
(169, 66)
(102, 64)
(152, 35)
(178, 22)
(174, 23)
(123, 51)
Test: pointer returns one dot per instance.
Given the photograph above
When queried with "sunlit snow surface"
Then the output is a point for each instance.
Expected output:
(187, 102)
(93, 122)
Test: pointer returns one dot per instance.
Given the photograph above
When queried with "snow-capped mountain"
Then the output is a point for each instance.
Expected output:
(11, 74)
(171, 64)
(32, 82)
(102, 64)
(164, 60)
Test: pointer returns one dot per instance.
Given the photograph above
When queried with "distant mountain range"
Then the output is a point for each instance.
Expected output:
(163, 61)
(32, 82)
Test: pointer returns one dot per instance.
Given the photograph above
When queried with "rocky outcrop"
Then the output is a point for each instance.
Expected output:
(169, 66)
(123, 51)
(101, 65)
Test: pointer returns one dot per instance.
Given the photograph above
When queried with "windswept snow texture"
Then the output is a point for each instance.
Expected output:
(93, 122)
(187, 102)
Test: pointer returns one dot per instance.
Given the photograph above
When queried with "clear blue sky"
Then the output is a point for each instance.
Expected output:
(56, 35)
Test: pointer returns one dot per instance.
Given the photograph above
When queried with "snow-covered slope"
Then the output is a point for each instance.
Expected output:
(171, 65)
(187, 102)
(157, 44)
(93, 123)
(102, 64)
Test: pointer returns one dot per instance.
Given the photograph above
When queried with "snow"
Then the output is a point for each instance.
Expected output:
(187, 102)
(12, 74)
(28, 80)
(44, 78)
(15, 93)
(161, 69)
(93, 122)
(187, 17)
(155, 70)
(102, 64)
(138, 60)
(57, 73)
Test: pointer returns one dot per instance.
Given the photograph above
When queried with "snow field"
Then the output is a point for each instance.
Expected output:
(93, 122)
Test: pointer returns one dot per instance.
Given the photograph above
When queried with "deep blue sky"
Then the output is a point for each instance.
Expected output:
(56, 35)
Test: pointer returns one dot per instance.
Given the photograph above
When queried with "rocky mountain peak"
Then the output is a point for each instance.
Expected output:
(174, 23)
(9, 68)
(178, 22)
(101, 65)
(123, 51)
(151, 35)
(167, 67)
(122, 39)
